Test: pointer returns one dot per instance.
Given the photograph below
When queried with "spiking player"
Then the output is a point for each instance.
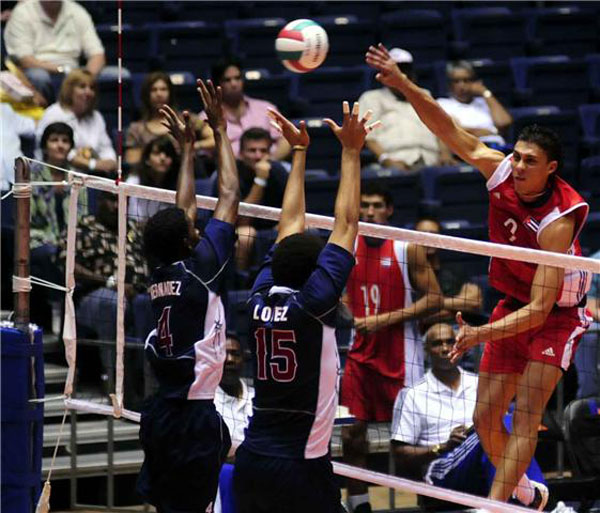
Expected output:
(534, 330)
(184, 438)
(283, 463)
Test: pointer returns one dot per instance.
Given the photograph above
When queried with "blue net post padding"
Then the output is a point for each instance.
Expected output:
(22, 421)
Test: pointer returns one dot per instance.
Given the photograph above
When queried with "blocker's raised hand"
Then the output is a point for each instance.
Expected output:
(378, 57)
(296, 136)
(353, 131)
(182, 131)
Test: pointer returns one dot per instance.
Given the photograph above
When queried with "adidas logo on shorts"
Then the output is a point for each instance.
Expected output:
(548, 352)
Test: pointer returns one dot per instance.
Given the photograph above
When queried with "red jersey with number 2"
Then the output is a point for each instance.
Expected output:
(379, 283)
(513, 222)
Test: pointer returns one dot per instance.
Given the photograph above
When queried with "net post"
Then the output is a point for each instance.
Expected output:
(22, 225)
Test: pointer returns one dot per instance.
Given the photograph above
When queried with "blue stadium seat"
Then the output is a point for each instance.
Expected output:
(460, 190)
(138, 45)
(362, 10)
(287, 10)
(566, 125)
(206, 186)
(590, 181)
(324, 147)
(540, 110)
(185, 91)
(145, 11)
(406, 192)
(210, 11)
(349, 37)
(273, 88)
(564, 30)
(254, 41)
(468, 264)
(325, 88)
(551, 80)
(420, 31)
(590, 235)
(320, 195)
(489, 32)
(191, 45)
(589, 116)
(593, 62)
(108, 100)
(426, 78)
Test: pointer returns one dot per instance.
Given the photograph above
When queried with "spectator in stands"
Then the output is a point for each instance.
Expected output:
(157, 90)
(158, 167)
(474, 106)
(403, 141)
(262, 182)
(243, 112)
(587, 355)
(459, 293)
(96, 252)
(233, 397)
(47, 37)
(387, 352)
(434, 417)
(13, 127)
(93, 152)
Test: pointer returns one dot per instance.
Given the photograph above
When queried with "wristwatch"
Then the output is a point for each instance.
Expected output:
(487, 94)
(437, 448)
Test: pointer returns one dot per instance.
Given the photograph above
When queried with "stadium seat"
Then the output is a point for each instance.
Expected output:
(590, 181)
(489, 32)
(209, 11)
(189, 45)
(206, 186)
(108, 100)
(138, 44)
(320, 195)
(425, 77)
(185, 91)
(254, 41)
(563, 30)
(593, 62)
(541, 110)
(590, 235)
(287, 10)
(273, 88)
(324, 147)
(406, 192)
(139, 12)
(325, 88)
(552, 80)
(349, 37)
(420, 31)
(362, 10)
(589, 115)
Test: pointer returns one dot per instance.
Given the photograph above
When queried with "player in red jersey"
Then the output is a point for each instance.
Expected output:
(387, 351)
(533, 332)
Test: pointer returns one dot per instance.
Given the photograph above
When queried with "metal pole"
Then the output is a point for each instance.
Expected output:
(22, 222)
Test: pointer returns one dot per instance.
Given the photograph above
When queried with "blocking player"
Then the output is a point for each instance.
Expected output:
(283, 463)
(533, 332)
(184, 439)
(387, 352)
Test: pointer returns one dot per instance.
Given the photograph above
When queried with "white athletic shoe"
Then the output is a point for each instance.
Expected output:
(561, 507)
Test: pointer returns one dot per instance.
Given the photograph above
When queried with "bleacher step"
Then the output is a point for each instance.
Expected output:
(90, 432)
(125, 462)
(55, 374)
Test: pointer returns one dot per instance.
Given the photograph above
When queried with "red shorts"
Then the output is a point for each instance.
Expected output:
(554, 342)
(368, 395)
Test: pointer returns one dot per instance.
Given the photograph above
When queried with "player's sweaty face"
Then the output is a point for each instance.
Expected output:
(530, 168)
(373, 209)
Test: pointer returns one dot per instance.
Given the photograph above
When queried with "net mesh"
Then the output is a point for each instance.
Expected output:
(394, 329)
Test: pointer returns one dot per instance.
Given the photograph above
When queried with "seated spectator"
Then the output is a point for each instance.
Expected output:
(432, 435)
(13, 126)
(243, 112)
(233, 397)
(49, 215)
(473, 106)
(403, 141)
(157, 90)
(459, 293)
(48, 37)
(587, 354)
(159, 167)
(96, 273)
(93, 150)
(262, 182)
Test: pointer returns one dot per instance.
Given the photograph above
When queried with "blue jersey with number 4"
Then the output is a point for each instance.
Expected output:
(296, 363)
(187, 348)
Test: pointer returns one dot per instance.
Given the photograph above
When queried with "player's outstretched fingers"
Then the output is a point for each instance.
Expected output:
(459, 319)
(355, 110)
(373, 126)
(345, 111)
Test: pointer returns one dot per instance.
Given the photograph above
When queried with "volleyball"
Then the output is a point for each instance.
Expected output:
(302, 45)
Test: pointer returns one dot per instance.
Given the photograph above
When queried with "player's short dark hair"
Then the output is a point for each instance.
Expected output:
(255, 133)
(57, 128)
(164, 236)
(376, 188)
(295, 259)
(218, 69)
(547, 139)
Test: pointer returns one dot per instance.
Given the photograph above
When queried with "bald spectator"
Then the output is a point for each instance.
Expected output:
(47, 37)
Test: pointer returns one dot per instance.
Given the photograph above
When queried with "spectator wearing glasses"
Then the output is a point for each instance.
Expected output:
(473, 106)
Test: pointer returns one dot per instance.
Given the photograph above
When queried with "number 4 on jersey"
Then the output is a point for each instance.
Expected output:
(165, 339)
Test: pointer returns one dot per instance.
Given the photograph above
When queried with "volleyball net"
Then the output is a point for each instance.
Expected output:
(394, 327)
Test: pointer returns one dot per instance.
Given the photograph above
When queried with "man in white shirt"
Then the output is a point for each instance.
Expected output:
(47, 37)
(473, 105)
(13, 126)
(403, 141)
(432, 428)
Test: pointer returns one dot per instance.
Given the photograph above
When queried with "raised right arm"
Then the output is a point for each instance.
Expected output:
(466, 146)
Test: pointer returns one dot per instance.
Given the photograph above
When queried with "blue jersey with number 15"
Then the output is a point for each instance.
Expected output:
(187, 348)
(296, 363)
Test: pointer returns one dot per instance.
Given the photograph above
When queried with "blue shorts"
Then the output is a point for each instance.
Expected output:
(265, 484)
(185, 443)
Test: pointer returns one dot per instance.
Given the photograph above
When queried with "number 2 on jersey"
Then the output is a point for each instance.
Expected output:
(282, 359)
(165, 339)
(371, 295)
